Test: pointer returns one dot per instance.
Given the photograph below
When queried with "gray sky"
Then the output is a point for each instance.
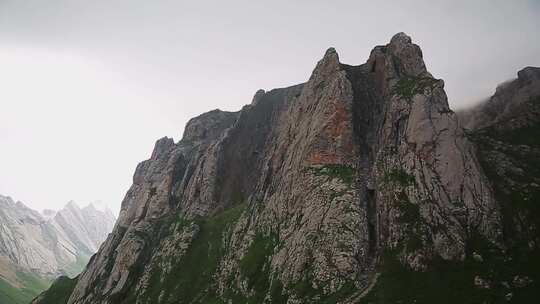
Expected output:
(86, 87)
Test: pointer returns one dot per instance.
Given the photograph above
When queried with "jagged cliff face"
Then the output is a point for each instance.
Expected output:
(302, 195)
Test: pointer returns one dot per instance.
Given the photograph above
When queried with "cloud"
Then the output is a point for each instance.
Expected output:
(89, 85)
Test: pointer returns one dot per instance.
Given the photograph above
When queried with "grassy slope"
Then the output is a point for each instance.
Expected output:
(59, 291)
(73, 269)
(31, 287)
(10, 294)
(191, 276)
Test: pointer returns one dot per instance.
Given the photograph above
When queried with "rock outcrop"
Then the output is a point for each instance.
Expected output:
(317, 193)
(510, 101)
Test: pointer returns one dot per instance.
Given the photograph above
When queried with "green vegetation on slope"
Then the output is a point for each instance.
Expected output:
(190, 279)
(304, 290)
(516, 182)
(444, 282)
(10, 294)
(31, 286)
(407, 87)
(254, 265)
(59, 291)
(343, 172)
(454, 282)
(73, 269)
(398, 176)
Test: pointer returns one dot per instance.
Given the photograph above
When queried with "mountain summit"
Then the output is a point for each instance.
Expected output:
(358, 186)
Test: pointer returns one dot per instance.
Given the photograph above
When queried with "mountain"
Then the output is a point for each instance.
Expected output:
(36, 248)
(358, 186)
(512, 99)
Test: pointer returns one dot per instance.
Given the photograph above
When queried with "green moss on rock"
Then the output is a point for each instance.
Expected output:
(398, 176)
(190, 279)
(343, 172)
(254, 265)
(407, 87)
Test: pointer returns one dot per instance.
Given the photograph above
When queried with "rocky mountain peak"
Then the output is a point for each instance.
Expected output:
(53, 243)
(529, 74)
(5, 199)
(328, 65)
(20, 205)
(162, 146)
(90, 207)
(399, 58)
(208, 125)
(48, 213)
(300, 196)
(331, 51)
(72, 205)
(400, 39)
(510, 102)
(258, 96)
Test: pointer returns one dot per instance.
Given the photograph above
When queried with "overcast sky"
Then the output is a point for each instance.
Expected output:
(86, 87)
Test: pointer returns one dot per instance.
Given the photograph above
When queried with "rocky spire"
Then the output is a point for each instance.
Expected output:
(208, 125)
(162, 146)
(324, 177)
(327, 65)
(258, 96)
(529, 74)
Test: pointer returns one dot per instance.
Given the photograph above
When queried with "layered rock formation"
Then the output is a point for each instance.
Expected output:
(323, 192)
(35, 248)
(86, 228)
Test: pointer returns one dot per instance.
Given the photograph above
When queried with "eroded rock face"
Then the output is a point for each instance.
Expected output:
(297, 197)
(426, 173)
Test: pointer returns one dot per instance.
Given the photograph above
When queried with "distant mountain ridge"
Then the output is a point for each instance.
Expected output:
(510, 106)
(45, 246)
